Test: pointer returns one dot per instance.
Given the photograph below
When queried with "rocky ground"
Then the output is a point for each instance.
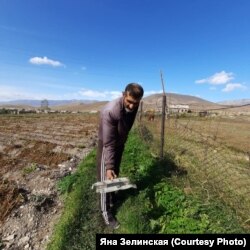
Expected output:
(36, 152)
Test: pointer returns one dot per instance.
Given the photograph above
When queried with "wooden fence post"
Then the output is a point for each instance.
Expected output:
(141, 110)
(164, 98)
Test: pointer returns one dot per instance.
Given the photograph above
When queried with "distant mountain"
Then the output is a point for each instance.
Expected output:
(177, 99)
(155, 101)
(235, 102)
(149, 102)
(81, 107)
(37, 103)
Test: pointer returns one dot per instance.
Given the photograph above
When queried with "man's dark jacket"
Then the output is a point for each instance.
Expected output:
(115, 124)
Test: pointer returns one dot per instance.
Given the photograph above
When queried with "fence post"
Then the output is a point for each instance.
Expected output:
(163, 118)
(141, 110)
(163, 125)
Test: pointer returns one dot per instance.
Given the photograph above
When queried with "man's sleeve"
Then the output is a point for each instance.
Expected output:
(110, 133)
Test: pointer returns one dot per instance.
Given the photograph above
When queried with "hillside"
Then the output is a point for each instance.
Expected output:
(236, 102)
(155, 102)
(37, 103)
(149, 102)
(16, 106)
(81, 107)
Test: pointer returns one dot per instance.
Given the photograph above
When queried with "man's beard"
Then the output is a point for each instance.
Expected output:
(129, 110)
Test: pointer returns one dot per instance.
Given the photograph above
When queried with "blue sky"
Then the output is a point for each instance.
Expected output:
(90, 49)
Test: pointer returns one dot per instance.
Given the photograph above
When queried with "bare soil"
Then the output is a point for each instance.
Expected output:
(35, 152)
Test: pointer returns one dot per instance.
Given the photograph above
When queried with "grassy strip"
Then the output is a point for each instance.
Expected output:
(156, 206)
(80, 217)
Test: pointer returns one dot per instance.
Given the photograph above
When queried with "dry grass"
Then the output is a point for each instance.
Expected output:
(234, 132)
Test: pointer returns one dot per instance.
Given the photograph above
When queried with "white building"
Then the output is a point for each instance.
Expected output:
(178, 108)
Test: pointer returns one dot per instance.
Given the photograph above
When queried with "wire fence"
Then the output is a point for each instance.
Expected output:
(213, 148)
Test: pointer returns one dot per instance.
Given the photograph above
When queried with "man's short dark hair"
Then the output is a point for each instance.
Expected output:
(135, 90)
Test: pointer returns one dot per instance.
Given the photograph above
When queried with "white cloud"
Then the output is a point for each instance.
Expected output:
(8, 93)
(99, 95)
(218, 78)
(91, 93)
(108, 95)
(45, 61)
(222, 78)
(233, 86)
(152, 92)
(15, 93)
(114, 94)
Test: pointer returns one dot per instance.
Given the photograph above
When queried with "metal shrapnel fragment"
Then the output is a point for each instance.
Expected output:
(117, 184)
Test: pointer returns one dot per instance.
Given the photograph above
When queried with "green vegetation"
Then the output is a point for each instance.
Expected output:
(80, 216)
(29, 169)
(4, 111)
(166, 208)
(211, 165)
(81, 146)
(158, 205)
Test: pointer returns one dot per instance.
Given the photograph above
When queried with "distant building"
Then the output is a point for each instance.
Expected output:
(178, 108)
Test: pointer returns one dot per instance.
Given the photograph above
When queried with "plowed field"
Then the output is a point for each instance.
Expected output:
(28, 142)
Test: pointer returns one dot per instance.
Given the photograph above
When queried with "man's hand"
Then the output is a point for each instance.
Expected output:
(110, 174)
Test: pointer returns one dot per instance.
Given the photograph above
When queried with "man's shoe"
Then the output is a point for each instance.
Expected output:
(114, 224)
(111, 221)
